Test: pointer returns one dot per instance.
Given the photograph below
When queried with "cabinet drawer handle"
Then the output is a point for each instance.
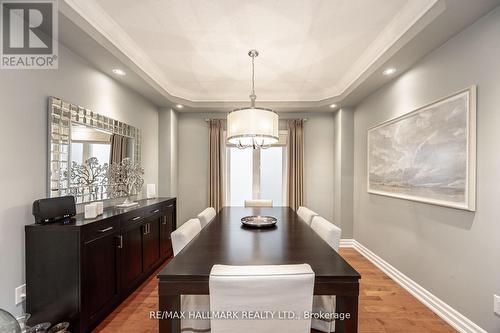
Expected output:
(120, 244)
(164, 222)
(155, 211)
(170, 206)
(136, 218)
(104, 230)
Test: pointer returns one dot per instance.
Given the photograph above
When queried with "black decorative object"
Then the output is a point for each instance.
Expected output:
(54, 209)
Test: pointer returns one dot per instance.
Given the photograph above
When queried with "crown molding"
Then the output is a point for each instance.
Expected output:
(93, 14)
(402, 28)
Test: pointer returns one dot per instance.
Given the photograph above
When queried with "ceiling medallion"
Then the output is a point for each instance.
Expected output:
(252, 126)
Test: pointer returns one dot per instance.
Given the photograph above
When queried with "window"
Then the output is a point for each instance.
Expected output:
(101, 151)
(256, 174)
(271, 174)
(83, 150)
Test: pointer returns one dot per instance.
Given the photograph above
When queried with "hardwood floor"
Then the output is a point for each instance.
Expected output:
(384, 307)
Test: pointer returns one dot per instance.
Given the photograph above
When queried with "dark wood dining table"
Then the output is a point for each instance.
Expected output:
(226, 241)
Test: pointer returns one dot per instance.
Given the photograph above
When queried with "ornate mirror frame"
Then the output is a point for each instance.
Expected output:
(61, 114)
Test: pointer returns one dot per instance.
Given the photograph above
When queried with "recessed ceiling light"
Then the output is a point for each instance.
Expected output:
(179, 106)
(333, 106)
(389, 71)
(118, 71)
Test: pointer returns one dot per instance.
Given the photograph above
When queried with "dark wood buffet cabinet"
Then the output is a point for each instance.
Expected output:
(80, 271)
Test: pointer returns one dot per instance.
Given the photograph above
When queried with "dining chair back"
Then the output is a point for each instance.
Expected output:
(191, 303)
(258, 203)
(330, 233)
(206, 216)
(184, 234)
(285, 289)
(327, 230)
(306, 214)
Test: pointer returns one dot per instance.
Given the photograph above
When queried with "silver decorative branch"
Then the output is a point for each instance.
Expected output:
(125, 178)
(89, 173)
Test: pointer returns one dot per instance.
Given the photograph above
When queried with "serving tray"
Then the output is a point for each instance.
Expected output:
(259, 221)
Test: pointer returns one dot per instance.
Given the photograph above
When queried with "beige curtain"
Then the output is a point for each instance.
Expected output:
(118, 148)
(216, 165)
(295, 163)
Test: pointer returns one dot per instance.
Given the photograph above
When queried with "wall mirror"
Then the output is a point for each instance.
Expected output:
(82, 146)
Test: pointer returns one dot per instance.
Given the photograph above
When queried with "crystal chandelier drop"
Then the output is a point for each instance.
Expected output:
(252, 126)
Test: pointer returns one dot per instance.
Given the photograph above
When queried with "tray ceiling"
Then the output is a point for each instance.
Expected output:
(309, 50)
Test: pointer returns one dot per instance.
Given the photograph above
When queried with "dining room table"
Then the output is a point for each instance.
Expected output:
(225, 240)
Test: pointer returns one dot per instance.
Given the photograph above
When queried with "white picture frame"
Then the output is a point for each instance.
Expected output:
(443, 169)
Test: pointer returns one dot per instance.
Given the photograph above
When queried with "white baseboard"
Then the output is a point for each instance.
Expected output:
(347, 242)
(457, 320)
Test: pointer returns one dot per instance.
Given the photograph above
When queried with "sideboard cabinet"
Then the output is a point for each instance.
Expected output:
(80, 271)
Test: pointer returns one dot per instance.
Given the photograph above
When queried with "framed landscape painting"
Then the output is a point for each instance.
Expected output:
(427, 155)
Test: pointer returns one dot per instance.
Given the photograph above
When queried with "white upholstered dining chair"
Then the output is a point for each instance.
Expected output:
(254, 289)
(306, 214)
(258, 203)
(331, 235)
(191, 303)
(184, 234)
(206, 216)
(327, 230)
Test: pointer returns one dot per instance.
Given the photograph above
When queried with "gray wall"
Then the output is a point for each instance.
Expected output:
(167, 152)
(193, 162)
(344, 170)
(319, 163)
(192, 167)
(453, 253)
(23, 141)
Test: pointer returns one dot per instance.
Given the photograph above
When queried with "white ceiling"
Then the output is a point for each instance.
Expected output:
(313, 52)
(310, 50)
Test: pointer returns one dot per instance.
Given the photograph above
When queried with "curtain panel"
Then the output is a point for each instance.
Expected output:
(118, 148)
(295, 163)
(216, 164)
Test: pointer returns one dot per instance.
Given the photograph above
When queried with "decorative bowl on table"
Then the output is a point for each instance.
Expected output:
(259, 221)
(8, 323)
(23, 321)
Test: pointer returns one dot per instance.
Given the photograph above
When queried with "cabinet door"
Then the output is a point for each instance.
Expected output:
(166, 228)
(151, 243)
(131, 257)
(100, 274)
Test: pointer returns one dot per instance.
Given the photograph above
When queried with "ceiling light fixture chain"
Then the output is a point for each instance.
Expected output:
(253, 54)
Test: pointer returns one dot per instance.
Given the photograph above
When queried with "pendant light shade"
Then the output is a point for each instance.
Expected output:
(252, 126)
